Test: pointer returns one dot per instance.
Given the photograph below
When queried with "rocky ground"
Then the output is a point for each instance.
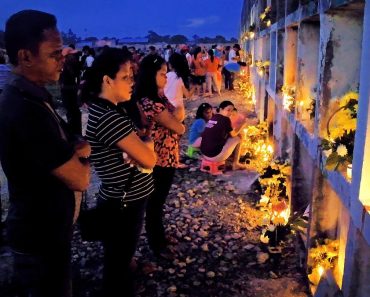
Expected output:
(214, 221)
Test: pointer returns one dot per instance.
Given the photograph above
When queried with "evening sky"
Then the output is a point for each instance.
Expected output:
(134, 18)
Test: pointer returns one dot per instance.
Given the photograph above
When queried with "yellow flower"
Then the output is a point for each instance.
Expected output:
(278, 221)
(264, 239)
(348, 96)
(342, 150)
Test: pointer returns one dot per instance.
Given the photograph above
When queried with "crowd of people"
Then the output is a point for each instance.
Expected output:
(135, 121)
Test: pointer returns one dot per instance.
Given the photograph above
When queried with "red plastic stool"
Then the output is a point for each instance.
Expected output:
(211, 167)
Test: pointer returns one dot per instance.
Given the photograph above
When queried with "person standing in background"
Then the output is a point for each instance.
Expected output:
(69, 88)
(4, 75)
(175, 89)
(212, 64)
(4, 71)
(186, 61)
(228, 76)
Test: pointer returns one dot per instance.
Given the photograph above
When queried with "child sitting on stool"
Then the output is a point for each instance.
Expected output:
(203, 115)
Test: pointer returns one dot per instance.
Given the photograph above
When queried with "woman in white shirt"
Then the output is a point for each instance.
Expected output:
(175, 90)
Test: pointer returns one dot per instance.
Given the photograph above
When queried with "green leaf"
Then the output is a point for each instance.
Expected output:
(332, 161)
(326, 144)
(299, 223)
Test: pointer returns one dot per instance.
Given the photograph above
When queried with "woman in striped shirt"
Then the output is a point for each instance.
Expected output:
(118, 156)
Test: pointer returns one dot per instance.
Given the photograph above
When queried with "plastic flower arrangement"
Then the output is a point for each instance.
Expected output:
(273, 179)
(322, 257)
(276, 220)
(311, 108)
(262, 67)
(251, 31)
(265, 16)
(341, 129)
(255, 149)
(244, 86)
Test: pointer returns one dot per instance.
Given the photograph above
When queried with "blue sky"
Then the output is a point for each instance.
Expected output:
(122, 18)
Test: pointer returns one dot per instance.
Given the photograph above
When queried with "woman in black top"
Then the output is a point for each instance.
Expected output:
(123, 163)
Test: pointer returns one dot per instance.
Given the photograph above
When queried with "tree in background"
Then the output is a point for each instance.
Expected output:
(70, 37)
(178, 39)
(195, 38)
(154, 37)
(220, 39)
(91, 38)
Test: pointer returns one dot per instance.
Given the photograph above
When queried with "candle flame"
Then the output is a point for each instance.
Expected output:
(320, 270)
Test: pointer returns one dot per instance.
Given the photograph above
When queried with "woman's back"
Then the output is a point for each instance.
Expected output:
(216, 133)
(199, 67)
(174, 89)
(212, 66)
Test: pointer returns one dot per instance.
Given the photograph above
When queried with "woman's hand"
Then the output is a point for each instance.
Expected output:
(135, 151)
(82, 149)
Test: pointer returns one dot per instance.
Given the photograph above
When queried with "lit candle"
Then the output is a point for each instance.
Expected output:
(349, 171)
(264, 200)
(300, 108)
(245, 131)
(320, 270)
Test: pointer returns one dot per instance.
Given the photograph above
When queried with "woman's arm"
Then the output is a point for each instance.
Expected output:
(179, 113)
(188, 93)
(236, 131)
(139, 151)
(166, 119)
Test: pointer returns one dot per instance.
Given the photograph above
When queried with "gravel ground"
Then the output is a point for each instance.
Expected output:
(214, 222)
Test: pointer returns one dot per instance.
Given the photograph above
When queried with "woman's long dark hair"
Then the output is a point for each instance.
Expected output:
(107, 63)
(203, 107)
(179, 64)
(146, 84)
(211, 54)
(224, 104)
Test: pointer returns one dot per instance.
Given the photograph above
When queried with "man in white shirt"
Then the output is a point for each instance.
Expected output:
(231, 57)
(90, 58)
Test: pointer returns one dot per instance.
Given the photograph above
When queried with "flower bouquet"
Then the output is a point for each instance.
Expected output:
(341, 129)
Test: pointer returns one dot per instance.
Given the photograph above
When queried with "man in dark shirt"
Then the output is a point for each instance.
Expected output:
(42, 164)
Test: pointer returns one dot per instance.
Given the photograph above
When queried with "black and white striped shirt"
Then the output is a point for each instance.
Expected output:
(106, 126)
